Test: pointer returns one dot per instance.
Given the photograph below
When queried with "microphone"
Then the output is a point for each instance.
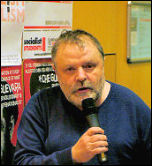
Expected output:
(90, 112)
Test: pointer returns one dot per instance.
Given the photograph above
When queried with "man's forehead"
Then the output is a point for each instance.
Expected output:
(82, 41)
(71, 52)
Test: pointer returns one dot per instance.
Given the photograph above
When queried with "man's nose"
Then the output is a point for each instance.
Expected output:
(81, 75)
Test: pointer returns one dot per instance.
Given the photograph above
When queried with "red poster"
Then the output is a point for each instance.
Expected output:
(38, 74)
(11, 109)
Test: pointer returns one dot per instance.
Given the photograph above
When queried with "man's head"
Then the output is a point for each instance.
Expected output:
(78, 62)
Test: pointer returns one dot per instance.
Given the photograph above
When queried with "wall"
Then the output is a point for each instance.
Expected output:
(107, 20)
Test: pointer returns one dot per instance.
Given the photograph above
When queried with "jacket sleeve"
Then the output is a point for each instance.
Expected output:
(31, 137)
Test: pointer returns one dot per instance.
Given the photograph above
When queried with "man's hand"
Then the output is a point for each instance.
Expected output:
(92, 142)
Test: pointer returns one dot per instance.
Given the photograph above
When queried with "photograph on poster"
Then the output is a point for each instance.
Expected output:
(9, 115)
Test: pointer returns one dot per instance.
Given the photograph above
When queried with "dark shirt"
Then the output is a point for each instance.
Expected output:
(50, 126)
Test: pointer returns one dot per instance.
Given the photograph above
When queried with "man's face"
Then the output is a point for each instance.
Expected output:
(80, 71)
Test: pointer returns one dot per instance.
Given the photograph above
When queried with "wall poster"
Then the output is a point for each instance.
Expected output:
(38, 43)
(139, 31)
(11, 110)
(12, 26)
(38, 74)
(41, 29)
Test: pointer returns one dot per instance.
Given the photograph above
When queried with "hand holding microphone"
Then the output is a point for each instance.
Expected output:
(93, 141)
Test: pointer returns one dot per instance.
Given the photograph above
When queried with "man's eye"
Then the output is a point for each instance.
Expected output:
(70, 69)
(89, 66)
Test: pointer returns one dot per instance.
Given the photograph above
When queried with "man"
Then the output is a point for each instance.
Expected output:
(53, 129)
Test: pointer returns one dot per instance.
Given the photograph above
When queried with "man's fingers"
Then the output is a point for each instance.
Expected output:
(98, 137)
(98, 144)
(95, 130)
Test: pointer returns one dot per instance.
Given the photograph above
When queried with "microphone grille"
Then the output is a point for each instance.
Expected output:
(88, 106)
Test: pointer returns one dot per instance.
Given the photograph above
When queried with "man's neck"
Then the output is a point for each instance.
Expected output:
(105, 92)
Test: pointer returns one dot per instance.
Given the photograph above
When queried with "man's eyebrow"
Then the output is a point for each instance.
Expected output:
(69, 66)
(91, 62)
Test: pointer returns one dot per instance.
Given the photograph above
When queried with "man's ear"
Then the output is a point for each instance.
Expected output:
(53, 66)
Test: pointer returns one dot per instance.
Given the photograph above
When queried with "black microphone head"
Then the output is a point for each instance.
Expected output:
(88, 106)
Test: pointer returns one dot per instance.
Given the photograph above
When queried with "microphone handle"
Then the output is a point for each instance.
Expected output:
(93, 122)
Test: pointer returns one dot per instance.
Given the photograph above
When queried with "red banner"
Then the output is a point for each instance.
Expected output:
(11, 100)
